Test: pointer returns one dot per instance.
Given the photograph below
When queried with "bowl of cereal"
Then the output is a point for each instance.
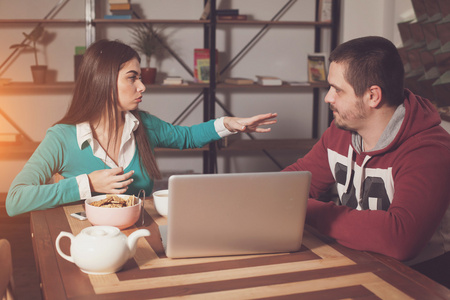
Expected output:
(121, 211)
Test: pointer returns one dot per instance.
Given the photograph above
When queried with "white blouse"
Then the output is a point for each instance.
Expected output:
(127, 147)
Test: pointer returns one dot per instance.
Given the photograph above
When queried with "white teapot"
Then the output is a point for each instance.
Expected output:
(100, 249)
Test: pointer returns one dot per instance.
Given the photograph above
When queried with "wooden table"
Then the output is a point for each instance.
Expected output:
(322, 269)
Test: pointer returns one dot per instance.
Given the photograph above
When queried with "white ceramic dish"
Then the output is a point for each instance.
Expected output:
(121, 218)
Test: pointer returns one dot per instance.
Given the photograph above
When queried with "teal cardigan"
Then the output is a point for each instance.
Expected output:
(59, 153)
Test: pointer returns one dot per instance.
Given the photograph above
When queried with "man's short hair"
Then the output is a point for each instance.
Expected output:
(372, 61)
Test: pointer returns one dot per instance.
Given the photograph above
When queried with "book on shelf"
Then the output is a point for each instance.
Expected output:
(118, 17)
(118, 1)
(206, 11)
(173, 80)
(78, 59)
(122, 12)
(120, 6)
(202, 65)
(80, 50)
(325, 10)
(231, 17)
(227, 12)
(317, 67)
(298, 83)
(238, 80)
(268, 80)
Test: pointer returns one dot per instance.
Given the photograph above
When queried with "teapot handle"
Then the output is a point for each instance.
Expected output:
(70, 236)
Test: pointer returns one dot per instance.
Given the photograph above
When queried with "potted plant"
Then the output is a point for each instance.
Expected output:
(147, 41)
(38, 71)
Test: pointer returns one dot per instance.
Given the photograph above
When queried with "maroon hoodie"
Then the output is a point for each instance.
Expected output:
(395, 200)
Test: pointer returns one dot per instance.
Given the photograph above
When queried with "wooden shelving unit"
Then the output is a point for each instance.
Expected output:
(210, 100)
(42, 21)
(258, 145)
(270, 144)
(153, 21)
(207, 90)
(29, 87)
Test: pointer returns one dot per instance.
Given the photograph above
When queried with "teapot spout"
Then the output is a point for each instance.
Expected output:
(132, 240)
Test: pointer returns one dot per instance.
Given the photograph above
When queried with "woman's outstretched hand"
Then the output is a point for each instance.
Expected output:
(252, 124)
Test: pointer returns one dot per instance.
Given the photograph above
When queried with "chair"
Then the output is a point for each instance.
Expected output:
(6, 271)
(436, 269)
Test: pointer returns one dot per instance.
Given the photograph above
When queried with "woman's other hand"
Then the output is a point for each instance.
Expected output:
(252, 124)
(110, 181)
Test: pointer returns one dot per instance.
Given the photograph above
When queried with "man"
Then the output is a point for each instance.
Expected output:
(387, 155)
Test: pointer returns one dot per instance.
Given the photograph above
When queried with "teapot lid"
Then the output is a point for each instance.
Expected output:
(101, 231)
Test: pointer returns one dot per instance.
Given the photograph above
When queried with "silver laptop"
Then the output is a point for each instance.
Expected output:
(235, 214)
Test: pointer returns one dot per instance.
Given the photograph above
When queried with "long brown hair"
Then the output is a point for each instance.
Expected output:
(96, 94)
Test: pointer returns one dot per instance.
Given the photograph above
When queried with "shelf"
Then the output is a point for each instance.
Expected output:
(139, 21)
(282, 23)
(224, 22)
(170, 150)
(271, 144)
(24, 150)
(24, 87)
(255, 145)
(190, 85)
(161, 21)
(27, 87)
(284, 86)
(43, 21)
(193, 85)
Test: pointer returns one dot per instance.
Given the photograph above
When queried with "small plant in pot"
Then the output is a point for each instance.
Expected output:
(147, 41)
(38, 71)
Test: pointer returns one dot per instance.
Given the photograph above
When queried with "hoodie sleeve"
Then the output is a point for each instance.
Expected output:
(419, 162)
(421, 198)
(316, 161)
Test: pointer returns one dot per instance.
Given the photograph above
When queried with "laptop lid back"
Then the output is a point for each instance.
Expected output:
(235, 214)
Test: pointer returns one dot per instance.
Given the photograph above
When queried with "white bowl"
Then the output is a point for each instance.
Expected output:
(161, 200)
(121, 217)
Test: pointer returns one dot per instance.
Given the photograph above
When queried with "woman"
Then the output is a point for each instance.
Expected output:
(104, 144)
